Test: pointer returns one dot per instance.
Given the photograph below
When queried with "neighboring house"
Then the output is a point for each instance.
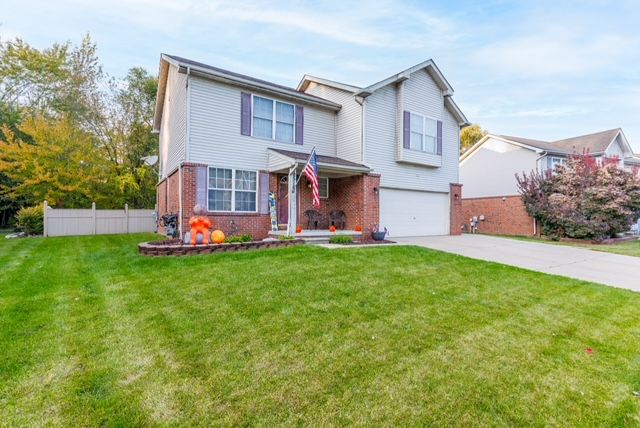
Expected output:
(388, 153)
(488, 169)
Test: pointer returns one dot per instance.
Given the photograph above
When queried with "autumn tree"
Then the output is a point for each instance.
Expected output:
(60, 163)
(59, 99)
(469, 136)
(584, 199)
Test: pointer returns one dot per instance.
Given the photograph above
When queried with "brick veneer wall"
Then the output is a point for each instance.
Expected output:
(167, 196)
(354, 195)
(256, 224)
(456, 215)
(504, 215)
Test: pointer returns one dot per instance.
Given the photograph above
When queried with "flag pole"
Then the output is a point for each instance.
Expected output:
(305, 164)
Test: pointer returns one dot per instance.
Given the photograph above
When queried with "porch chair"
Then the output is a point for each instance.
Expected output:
(314, 219)
(338, 219)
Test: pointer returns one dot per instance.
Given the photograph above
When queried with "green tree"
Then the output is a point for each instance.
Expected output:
(126, 135)
(469, 136)
(52, 96)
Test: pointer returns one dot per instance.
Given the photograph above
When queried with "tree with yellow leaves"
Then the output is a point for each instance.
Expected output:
(59, 163)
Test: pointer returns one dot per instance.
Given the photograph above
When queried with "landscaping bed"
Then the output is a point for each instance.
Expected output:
(175, 247)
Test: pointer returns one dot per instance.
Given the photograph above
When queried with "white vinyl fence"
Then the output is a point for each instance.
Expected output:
(69, 222)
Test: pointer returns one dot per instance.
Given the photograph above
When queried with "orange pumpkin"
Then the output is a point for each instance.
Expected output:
(298, 229)
(332, 229)
(358, 228)
(217, 236)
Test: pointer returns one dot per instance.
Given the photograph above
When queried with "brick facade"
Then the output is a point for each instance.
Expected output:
(503, 215)
(456, 220)
(354, 195)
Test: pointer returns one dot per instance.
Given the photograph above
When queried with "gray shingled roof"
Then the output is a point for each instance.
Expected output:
(538, 144)
(190, 62)
(321, 158)
(593, 143)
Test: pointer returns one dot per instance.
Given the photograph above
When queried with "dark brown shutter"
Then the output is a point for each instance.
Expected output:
(245, 114)
(406, 130)
(201, 186)
(299, 127)
(439, 139)
(264, 192)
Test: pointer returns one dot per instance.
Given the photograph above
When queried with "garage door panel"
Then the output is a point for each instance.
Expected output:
(412, 213)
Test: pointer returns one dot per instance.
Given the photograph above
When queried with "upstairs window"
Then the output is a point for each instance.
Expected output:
(424, 133)
(273, 120)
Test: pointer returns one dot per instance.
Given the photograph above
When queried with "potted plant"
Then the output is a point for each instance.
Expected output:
(377, 234)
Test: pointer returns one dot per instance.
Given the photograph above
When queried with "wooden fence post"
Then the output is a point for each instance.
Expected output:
(93, 209)
(45, 232)
(126, 213)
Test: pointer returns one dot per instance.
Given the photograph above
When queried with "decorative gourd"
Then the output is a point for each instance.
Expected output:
(332, 229)
(217, 236)
(358, 228)
(298, 229)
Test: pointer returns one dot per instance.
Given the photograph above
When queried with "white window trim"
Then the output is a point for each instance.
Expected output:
(273, 120)
(424, 133)
(327, 181)
(233, 190)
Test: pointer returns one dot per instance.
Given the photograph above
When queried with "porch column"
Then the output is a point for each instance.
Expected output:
(293, 199)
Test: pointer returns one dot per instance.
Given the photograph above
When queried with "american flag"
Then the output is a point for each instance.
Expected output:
(311, 172)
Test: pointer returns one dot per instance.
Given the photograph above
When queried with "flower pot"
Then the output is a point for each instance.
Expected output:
(378, 236)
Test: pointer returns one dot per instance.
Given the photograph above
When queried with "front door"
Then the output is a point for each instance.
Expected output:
(283, 199)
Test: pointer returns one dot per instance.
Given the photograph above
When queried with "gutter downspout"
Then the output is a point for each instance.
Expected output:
(188, 116)
(544, 153)
(180, 199)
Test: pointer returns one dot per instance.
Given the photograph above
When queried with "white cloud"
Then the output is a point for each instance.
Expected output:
(555, 52)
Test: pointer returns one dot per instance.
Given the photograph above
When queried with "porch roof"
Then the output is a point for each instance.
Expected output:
(280, 160)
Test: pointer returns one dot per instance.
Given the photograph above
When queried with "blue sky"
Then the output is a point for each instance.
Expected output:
(538, 69)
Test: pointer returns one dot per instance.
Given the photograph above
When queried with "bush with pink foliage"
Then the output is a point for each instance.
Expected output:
(583, 199)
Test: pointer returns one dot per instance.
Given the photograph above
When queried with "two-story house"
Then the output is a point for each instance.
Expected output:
(387, 153)
(488, 172)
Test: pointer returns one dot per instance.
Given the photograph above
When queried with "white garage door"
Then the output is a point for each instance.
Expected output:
(411, 213)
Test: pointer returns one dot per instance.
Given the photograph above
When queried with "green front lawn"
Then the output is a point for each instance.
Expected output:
(631, 248)
(93, 334)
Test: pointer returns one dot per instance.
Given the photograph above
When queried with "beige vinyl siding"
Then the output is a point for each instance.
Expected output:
(173, 130)
(348, 120)
(215, 137)
(491, 169)
(422, 96)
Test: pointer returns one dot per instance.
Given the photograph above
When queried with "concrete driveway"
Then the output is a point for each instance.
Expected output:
(605, 268)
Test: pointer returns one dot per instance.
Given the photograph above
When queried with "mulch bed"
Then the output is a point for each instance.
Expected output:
(175, 247)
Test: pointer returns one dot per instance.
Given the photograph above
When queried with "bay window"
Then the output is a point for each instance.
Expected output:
(424, 133)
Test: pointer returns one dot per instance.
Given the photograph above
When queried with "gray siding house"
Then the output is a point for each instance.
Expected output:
(387, 153)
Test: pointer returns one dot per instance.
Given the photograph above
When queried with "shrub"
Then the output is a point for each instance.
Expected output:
(30, 220)
(238, 238)
(341, 239)
(583, 199)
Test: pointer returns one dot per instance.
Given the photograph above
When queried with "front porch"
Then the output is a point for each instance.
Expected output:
(348, 197)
